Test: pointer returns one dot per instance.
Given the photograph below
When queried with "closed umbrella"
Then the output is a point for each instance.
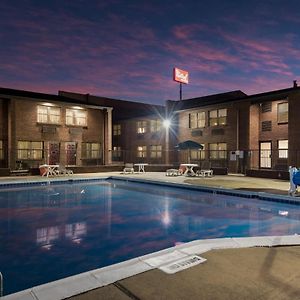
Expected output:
(188, 145)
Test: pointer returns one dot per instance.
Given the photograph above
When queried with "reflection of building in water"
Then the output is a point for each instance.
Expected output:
(46, 236)
(75, 231)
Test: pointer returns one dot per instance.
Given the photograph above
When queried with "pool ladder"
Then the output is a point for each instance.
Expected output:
(1, 285)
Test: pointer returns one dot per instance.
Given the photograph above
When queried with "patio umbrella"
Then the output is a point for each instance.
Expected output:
(188, 145)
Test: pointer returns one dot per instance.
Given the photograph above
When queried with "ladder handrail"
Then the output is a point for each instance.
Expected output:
(1, 285)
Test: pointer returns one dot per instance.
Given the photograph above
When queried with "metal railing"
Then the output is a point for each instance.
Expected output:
(1, 284)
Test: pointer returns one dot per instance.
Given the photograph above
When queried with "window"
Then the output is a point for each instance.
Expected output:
(142, 151)
(198, 154)
(141, 126)
(1, 150)
(155, 125)
(197, 120)
(117, 129)
(76, 117)
(282, 112)
(48, 114)
(156, 151)
(283, 146)
(218, 151)
(117, 152)
(30, 150)
(218, 117)
(91, 150)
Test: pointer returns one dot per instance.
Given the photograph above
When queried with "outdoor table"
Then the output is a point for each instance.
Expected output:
(189, 168)
(141, 167)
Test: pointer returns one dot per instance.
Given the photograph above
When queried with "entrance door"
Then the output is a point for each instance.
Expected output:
(53, 153)
(71, 148)
(265, 155)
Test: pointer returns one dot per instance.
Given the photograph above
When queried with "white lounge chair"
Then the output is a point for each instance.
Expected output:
(206, 170)
(128, 169)
(61, 170)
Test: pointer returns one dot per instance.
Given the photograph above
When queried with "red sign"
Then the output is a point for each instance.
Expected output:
(181, 76)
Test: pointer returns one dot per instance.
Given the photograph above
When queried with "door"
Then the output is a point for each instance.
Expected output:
(71, 149)
(53, 153)
(265, 155)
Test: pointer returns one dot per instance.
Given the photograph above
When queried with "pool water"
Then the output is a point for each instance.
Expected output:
(48, 232)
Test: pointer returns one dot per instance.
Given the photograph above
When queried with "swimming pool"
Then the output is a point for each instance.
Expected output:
(52, 231)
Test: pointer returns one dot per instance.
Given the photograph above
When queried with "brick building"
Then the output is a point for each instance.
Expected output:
(253, 134)
(38, 128)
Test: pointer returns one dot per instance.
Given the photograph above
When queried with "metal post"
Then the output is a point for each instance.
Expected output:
(1, 284)
(180, 91)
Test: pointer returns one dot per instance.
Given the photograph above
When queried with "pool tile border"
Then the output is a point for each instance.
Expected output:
(77, 284)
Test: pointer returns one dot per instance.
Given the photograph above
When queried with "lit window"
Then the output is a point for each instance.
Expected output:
(156, 151)
(283, 146)
(91, 150)
(198, 154)
(30, 150)
(117, 129)
(47, 114)
(76, 117)
(218, 151)
(282, 112)
(1, 150)
(141, 126)
(142, 151)
(197, 120)
(155, 125)
(117, 152)
(218, 117)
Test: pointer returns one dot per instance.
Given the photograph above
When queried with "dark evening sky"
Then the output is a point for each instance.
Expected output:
(127, 49)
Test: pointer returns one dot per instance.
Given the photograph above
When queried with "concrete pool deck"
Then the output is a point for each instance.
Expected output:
(236, 273)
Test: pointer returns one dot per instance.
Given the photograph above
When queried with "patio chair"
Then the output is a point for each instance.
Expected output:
(128, 169)
(175, 172)
(61, 170)
(206, 170)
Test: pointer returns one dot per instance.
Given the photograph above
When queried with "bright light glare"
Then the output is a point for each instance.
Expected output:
(167, 123)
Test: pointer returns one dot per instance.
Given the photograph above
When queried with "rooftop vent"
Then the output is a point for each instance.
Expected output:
(295, 83)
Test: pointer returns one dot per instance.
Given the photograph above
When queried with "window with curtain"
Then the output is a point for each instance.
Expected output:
(91, 150)
(156, 151)
(218, 117)
(142, 151)
(283, 147)
(197, 120)
(218, 151)
(48, 114)
(283, 112)
(155, 125)
(198, 154)
(30, 150)
(117, 129)
(117, 152)
(76, 117)
(141, 126)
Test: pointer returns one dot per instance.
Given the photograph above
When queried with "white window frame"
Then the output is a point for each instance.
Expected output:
(116, 129)
(197, 120)
(75, 116)
(48, 114)
(142, 151)
(156, 151)
(141, 127)
(283, 149)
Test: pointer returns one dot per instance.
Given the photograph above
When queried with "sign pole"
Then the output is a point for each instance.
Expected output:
(180, 91)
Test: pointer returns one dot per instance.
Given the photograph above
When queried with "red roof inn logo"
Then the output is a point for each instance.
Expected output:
(181, 76)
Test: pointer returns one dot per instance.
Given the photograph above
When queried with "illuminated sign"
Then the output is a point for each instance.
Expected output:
(181, 76)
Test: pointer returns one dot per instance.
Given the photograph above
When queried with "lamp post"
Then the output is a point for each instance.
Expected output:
(167, 124)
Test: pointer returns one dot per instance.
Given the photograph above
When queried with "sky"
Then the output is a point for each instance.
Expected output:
(128, 49)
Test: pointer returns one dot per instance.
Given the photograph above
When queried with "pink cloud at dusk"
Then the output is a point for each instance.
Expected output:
(130, 53)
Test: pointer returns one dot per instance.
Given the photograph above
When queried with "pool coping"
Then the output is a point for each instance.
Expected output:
(86, 281)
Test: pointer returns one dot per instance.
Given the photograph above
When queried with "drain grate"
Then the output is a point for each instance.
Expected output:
(182, 264)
